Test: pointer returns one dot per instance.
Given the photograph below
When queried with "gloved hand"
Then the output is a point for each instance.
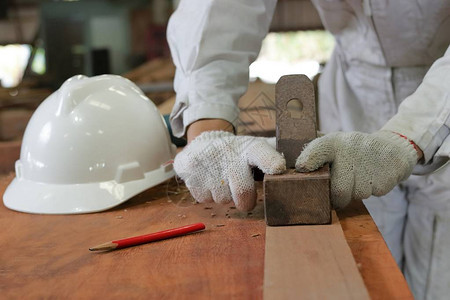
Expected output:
(361, 164)
(216, 165)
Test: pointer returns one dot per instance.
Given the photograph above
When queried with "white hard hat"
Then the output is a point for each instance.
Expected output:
(90, 146)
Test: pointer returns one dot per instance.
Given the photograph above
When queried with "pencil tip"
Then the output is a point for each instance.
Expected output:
(104, 247)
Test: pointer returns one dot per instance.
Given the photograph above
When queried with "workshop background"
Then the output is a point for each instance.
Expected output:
(43, 43)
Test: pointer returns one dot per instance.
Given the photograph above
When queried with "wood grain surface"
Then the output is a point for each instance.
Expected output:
(372, 255)
(47, 257)
(310, 262)
(296, 198)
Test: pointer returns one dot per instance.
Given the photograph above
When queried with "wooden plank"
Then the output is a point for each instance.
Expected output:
(372, 254)
(310, 262)
(47, 257)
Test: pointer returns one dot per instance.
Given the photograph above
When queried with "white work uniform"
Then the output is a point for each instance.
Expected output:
(383, 51)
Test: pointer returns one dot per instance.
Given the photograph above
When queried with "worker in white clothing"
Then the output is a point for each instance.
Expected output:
(386, 89)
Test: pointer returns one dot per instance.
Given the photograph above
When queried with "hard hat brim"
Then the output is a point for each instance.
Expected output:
(44, 198)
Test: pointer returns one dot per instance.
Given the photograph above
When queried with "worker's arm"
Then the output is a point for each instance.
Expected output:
(424, 117)
(199, 126)
(212, 43)
(372, 164)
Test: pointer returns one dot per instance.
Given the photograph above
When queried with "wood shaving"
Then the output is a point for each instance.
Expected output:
(256, 234)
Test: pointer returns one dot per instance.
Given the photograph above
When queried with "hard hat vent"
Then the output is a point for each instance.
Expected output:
(129, 172)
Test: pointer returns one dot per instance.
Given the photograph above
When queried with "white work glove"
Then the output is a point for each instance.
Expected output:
(216, 166)
(361, 164)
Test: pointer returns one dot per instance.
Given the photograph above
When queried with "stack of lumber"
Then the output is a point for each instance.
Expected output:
(158, 72)
(9, 153)
(257, 110)
(25, 97)
(13, 122)
(16, 108)
(257, 116)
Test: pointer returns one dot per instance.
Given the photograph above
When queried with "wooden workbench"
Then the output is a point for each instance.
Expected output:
(46, 256)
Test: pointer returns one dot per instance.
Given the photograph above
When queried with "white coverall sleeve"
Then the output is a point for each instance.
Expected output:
(424, 117)
(212, 43)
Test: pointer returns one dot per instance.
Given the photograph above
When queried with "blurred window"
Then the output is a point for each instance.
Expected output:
(38, 64)
(13, 61)
(300, 52)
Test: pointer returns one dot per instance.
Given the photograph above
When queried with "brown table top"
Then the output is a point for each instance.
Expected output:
(46, 256)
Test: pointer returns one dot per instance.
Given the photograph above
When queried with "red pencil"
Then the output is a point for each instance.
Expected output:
(142, 239)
